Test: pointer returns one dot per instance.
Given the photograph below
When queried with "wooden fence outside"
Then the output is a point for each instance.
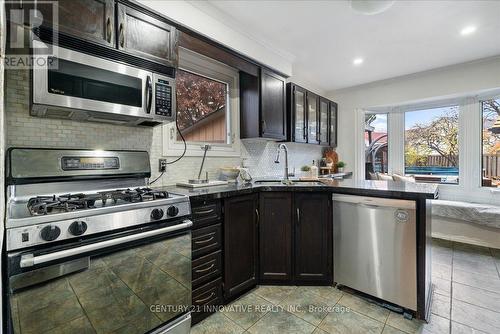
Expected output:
(491, 164)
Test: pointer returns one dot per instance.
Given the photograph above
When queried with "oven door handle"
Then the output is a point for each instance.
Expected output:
(28, 260)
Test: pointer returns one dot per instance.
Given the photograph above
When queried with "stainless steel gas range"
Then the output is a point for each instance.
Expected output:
(90, 248)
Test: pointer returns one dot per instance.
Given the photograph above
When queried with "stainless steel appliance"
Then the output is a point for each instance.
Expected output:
(375, 247)
(75, 85)
(90, 248)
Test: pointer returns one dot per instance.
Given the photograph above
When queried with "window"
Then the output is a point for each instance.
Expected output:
(207, 99)
(491, 143)
(431, 145)
(376, 144)
(201, 108)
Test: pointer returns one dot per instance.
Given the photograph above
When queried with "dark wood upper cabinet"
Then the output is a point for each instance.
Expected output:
(333, 124)
(240, 244)
(313, 238)
(92, 20)
(146, 37)
(275, 237)
(312, 103)
(296, 104)
(272, 105)
(312, 118)
(323, 129)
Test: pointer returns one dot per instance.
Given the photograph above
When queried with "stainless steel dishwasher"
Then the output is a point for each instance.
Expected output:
(375, 247)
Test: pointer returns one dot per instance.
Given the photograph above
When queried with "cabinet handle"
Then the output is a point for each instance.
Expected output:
(204, 241)
(205, 299)
(109, 32)
(202, 212)
(206, 269)
(122, 36)
(258, 215)
(298, 215)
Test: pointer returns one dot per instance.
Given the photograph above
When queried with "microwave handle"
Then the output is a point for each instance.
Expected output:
(29, 260)
(149, 94)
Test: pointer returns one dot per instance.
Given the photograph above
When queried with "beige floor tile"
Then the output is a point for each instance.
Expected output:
(436, 325)
(441, 305)
(442, 286)
(307, 305)
(274, 293)
(475, 317)
(216, 324)
(281, 322)
(350, 322)
(247, 310)
(442, 271)
(485, 282)
(476, 296)
(457, 328)
(328, 292)
(365, 307)
(391, 330)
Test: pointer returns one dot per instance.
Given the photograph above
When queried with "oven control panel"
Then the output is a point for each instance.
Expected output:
(33, 235)
(163, 97)
(89, 163)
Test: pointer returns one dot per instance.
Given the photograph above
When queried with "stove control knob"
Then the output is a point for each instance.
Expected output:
(77, 228)
(50, 233)
(173, 211)
(157, 214)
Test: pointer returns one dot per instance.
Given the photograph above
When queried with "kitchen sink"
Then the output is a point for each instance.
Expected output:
(289, 183)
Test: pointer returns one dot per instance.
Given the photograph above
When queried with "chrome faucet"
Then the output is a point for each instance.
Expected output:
(277, 160)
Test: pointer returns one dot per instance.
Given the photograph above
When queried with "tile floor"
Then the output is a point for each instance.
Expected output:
(466, 300)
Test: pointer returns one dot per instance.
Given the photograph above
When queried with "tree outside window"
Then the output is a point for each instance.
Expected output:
(491, 143)
(431, 145)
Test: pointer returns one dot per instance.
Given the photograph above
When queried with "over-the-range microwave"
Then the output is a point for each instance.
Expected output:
(74, 85)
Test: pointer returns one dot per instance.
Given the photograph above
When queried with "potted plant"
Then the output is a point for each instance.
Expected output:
(340, 166)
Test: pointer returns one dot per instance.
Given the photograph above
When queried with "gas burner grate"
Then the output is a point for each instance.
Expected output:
(43, 205)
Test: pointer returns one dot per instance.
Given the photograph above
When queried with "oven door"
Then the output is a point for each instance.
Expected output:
(137, 281)
(74, 80)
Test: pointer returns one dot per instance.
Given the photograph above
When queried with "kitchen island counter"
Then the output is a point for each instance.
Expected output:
(384, 189)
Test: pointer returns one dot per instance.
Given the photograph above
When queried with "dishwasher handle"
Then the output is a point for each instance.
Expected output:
(375, 202)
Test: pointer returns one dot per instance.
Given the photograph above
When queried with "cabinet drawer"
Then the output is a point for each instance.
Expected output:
(204, 213)
(206, 240)
(206, 268)
(204, 298)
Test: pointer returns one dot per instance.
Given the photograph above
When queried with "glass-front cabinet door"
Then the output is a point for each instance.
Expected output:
(333, 124)
(312, 118)
(299, 115)
(323, 121)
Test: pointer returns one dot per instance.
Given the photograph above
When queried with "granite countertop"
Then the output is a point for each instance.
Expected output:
(388, 189)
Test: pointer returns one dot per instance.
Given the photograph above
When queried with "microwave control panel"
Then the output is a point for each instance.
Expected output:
(163, 98)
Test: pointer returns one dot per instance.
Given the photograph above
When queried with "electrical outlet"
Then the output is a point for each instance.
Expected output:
(163, 165)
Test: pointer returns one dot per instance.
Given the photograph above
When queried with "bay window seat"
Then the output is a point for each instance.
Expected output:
(473, 223)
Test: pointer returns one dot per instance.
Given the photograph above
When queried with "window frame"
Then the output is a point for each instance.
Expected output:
(480, 101)
(469, 137)
(198, 64)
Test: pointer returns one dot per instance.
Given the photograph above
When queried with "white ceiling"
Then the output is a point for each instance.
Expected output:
(324, 37)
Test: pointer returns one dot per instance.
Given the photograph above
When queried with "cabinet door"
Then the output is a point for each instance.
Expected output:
(324, 115)
(333, 124)
(312, 118)
(146, 36)
(299, 114)
(240, 244)
(272, 105)
(93, 20)
(275, 237)
(313, 238)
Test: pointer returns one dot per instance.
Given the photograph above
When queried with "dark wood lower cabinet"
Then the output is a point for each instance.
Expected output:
(313, 238)
(240, 244)
(275, 237)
